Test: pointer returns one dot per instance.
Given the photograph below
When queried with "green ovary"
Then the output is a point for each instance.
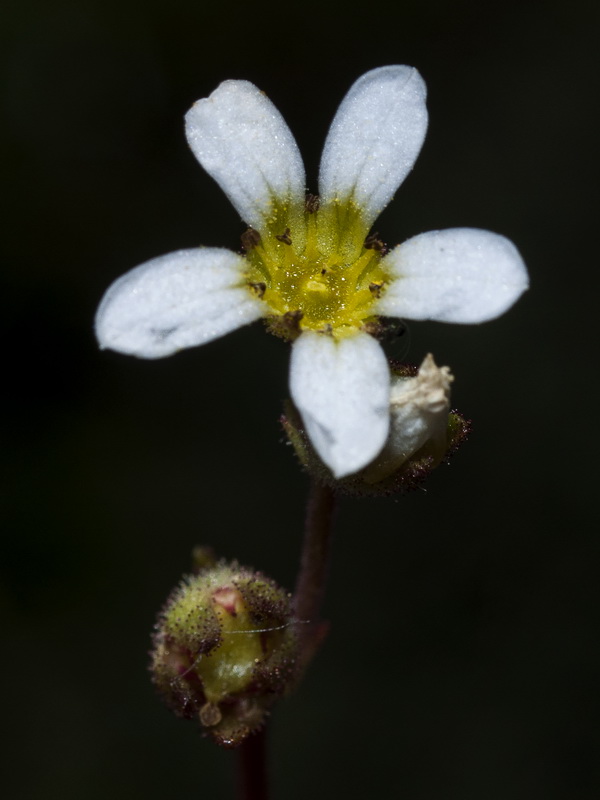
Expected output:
(231, 667)
(317, 264)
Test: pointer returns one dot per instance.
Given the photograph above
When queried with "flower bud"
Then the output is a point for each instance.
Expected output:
(423, 432)
(224, 649)
(419, 408)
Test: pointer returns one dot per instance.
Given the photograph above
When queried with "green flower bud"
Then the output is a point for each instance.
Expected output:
(423, 433)
(224, 649)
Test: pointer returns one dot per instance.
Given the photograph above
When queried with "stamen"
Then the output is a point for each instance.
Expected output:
(260, 289)
(373, 242)
(312, 203)
(284, 237)
(250, 239)
(286, 326)
(366, 263)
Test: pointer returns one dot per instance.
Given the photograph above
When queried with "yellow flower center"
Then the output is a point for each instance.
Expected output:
(316, 266)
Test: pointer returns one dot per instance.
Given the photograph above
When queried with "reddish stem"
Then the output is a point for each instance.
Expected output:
(314, 567)
(253, 767)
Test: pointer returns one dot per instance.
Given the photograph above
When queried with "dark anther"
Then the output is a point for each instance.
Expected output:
(250, 239)
(373, 242)
(293, 317)
(375, 288)
(323, 271)
(312, 203)
(385, 329)
(259, 288)
(286, 326)
(284, 237)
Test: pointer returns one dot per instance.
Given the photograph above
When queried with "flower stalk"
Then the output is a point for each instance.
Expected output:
(313, 572)
(252, 767)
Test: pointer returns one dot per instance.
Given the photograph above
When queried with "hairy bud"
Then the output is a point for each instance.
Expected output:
(224, 649)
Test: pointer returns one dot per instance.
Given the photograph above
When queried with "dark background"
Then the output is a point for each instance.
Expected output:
(463, 659)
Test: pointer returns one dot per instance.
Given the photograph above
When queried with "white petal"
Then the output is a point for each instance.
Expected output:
(342, 392)
(176, 301)
(375, 138)
(243, 142)
(456, 275)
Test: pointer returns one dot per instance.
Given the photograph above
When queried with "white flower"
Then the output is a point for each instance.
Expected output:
(310, 266)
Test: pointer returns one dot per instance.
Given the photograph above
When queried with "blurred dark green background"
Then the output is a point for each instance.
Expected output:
(463, 659)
